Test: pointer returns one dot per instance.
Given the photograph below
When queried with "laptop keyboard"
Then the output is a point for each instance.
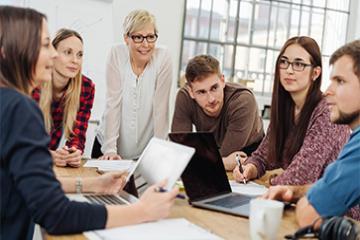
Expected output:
(231, 201)
(104, 199)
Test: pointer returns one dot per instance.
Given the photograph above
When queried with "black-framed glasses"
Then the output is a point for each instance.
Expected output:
(296, 65)
(138, 38)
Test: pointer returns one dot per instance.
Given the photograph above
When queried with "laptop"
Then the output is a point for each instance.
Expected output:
(205, 180)
(160, 160)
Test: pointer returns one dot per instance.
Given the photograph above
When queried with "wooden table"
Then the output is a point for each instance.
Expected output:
(223, 225)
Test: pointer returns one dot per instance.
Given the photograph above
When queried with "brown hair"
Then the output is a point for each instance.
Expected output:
(200, 67)
(351, 49)
(20, 42)
(281, 122)
(72, 94)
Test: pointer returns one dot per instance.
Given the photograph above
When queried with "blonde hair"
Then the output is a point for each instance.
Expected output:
(137, 19)
(71, 101)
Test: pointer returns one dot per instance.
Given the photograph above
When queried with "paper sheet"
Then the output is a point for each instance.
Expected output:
(110, 165)
(167, 229)
(250, 188)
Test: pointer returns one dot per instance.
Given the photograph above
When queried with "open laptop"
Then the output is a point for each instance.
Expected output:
(160, 160)
(205, 179)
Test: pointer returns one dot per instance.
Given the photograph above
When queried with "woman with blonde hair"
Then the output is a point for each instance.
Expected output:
(138, 80)
(66, 101)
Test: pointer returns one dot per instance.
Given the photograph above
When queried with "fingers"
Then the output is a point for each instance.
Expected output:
(110, 156)
(119, 174)
(115, 157)
(161, 184)
(238, 176)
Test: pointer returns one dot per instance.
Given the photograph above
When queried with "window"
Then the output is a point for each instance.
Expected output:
(246, 35)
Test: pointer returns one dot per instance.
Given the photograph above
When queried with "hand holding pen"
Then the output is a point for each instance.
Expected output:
(238, 162)
(160, 189)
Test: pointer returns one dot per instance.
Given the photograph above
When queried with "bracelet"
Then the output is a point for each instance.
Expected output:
(78, 185)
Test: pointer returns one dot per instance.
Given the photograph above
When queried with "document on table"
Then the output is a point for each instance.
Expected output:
(250, 188)
(110, 165)
(167, 229)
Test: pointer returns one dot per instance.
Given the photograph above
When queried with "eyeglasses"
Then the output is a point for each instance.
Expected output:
(296, 66)
(140, 38)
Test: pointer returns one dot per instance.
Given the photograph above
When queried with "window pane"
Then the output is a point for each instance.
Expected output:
(241, 60)
(305, 21)
(339, 5)
(317, 21)
(256, 68)
(295, 21)
(191, 21)
(191, 49)
(224, 55)
(261, 22)
(325, 74)
(244, 22)
(279, 25)
(223, 20)
(319, 3)
(335, 31)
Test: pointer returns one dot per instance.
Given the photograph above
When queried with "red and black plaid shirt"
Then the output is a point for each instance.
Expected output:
(77, 139)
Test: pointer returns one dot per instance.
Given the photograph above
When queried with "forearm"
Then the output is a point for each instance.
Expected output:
(299, 191)
(68, 184)
(306, 213)
(124, 215)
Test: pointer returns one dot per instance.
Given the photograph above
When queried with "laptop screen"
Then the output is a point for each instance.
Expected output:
(205, 175)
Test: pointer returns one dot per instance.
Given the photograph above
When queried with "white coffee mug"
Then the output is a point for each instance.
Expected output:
(265, 218)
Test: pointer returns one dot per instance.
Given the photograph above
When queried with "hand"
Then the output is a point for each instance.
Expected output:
(58, 157)
(230, 160)
(157, 205)
(110, 156)
(110, 183)
(250, 172)
(281, 193)
(73, 158)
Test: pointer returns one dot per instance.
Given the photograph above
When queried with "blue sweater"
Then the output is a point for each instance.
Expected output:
(29, 190)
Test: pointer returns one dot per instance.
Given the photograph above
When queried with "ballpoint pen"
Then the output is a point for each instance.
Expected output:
(160, 189)
(237, 158)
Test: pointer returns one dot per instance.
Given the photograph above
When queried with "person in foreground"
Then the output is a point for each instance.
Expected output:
(301, 138)
(337, 192)
(66, 101)
(229, 110)
(30, 192)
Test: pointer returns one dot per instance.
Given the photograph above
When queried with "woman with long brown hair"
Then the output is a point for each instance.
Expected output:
(66, 101)
(30, 192)
(300, 139)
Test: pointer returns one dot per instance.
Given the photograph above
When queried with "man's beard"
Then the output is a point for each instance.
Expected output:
(347, 118)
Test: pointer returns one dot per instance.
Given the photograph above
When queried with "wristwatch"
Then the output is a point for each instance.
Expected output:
(78, 185)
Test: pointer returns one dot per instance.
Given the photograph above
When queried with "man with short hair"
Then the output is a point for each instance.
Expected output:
(228, 110)
(338, 191)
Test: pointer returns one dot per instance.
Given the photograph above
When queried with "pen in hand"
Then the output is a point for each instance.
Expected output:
(237, 158)
(160, 189)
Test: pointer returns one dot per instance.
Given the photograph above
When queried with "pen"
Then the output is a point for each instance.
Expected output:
(160, 189)
(237, 158)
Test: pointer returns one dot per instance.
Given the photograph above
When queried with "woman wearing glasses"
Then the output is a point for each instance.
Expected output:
(67, 100)
(300, 139)
(138, 77)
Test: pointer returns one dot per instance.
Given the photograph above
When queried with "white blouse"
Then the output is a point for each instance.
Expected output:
(137, 108)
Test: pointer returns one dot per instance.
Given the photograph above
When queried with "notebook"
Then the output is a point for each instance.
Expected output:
(205, 179)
